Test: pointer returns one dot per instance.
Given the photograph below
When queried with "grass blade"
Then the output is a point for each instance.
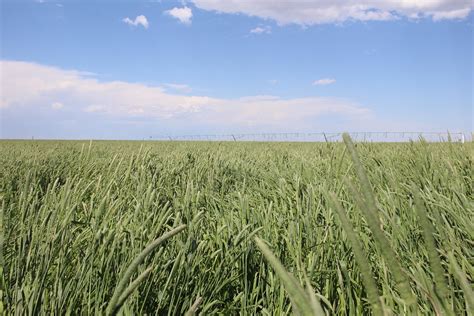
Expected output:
(441, 287)
(463, 281)
(129, 290)
(112, 307)
(302, 303)
(361, 258)
(193, 309)
(368, 207)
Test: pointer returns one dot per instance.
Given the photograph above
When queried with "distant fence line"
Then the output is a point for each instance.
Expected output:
(322, 137)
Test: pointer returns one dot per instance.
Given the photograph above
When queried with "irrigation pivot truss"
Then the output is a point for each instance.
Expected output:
(322, 137)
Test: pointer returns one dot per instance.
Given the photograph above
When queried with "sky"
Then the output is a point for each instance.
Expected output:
(107, 69)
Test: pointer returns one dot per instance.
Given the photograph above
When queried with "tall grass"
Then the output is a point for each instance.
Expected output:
(358, 228)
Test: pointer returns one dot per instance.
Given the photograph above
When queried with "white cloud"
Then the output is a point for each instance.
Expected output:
(449, 15)
(261, 30)
(57, 105)
(184, 88)
(93, 108)
(310, 12)
(324, 82)
(30, 86)
(139, 20)
(183, 14)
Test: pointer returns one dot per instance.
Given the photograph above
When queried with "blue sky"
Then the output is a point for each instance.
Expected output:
(134, 69)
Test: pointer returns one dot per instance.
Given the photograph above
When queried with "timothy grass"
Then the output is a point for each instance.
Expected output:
(236, 228)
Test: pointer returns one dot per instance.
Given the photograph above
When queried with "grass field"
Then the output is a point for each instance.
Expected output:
(391, 234)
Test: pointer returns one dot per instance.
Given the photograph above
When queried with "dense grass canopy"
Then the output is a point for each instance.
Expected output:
(344, 229)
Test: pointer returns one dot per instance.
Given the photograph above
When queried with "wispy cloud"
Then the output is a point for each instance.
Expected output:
(324, 82)
(266, 29)
(30, 86)
(184, 14)
(452, 14)
(139, 20)
(178, 87)
(57, 105)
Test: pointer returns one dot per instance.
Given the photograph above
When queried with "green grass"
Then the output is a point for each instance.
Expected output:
(236, 228)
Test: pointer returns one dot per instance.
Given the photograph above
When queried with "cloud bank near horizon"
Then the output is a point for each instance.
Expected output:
(72, 94)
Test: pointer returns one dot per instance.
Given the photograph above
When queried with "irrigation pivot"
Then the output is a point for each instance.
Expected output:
(372, 137)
